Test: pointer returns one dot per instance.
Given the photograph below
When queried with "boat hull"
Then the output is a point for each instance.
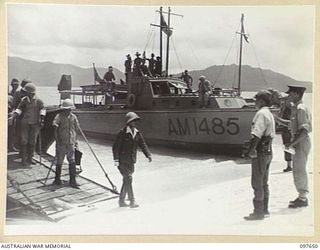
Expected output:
(209, 130)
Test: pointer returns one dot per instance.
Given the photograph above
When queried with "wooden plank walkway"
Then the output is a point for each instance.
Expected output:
(26, 186)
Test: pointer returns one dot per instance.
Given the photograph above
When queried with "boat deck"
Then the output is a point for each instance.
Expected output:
(29, 189)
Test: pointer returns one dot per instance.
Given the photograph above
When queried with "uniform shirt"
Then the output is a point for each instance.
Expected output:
(300, 118)
(128, 64)
(17, 96)
(31, 109)
(204, 87)
(66, 128)
(109, 76)
(263, 123)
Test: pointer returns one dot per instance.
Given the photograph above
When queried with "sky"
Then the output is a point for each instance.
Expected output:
(281, 38)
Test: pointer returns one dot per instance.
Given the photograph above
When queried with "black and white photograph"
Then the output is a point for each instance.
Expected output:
(160, 119)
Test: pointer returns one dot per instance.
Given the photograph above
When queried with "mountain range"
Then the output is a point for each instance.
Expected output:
(252, 79)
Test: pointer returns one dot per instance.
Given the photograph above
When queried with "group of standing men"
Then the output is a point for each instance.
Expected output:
(260, 150)
(26, 116)
(139, 68)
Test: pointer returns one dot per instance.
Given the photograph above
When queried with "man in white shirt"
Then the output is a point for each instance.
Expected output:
(260, 151)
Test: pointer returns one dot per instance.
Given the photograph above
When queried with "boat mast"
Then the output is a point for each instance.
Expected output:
(242, 34)
(168, 39)
(160, 40)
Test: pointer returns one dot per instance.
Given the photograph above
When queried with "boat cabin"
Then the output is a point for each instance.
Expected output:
(150, 93)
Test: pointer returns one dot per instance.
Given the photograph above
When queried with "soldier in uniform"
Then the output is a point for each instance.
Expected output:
(204, 89)
(158, 66)
(32, 110)
(300, 125)
(187, 79)
(66, 125)
(137, 64)
(260, 151)
(125, 154)
(14, 86)
(152, 64)
(109, 76)
(128, 65)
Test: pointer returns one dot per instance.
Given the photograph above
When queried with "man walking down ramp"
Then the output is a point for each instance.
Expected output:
(66, 124)
(125, 154)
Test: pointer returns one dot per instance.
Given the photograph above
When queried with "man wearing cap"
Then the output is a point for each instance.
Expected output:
(66, 125)
(128, 65)
(32, 111)
(204, 89)
(300, 125)
(260, 151)
(14, 86)
(137, 64)
(125, 154)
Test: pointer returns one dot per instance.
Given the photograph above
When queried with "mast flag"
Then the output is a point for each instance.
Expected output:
(245, 36)
(165, 27)
(97, 78)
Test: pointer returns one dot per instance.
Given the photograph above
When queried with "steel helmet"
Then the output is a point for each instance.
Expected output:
(30, 88)
(14, 81)
(24, 82)
(264, 95)
(202, 78)
(67, 104)
(131, 116)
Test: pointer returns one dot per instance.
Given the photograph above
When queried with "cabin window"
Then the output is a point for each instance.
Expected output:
(160, 88)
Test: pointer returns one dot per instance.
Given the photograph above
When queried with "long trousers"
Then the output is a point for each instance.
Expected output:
(126, 171)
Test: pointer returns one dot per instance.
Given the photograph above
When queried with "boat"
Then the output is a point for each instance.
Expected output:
(171, 115)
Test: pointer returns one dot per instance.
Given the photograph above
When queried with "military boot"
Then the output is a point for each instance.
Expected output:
(258, 212)
(30, 154)
(57, 180)
(72, 173)
(122, 195)
(23, 153)
(133, 203)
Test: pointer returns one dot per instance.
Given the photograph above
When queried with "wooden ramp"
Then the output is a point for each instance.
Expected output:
(26, 187)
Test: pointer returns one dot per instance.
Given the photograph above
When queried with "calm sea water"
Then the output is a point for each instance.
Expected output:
(51, 96)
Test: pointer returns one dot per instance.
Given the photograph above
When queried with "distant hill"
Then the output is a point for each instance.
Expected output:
(252, 79)
(49, 74)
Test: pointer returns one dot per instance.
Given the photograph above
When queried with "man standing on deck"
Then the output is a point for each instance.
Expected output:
(32, 111)
(260, 151)
(204, 89)
(128, 65)
(125, 155)
(65, 126)
(109, 76)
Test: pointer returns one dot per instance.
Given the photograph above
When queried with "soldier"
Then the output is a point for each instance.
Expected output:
(158, 66)
(137, 64)
(204, 89)
(187, 79)
(32, 110)
(109, 76)
(19, 93)
(300, 125)
(14, 86)
(152, 64)
(260, 151)
(66, 125)
(285, 111)
(128, 65)
(125, 154)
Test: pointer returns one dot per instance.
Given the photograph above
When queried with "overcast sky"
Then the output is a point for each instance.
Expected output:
(281, 37)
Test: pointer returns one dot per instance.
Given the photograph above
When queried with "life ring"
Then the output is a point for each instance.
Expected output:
(131, 100)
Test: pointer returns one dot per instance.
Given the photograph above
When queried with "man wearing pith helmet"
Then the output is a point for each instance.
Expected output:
(300, 126)
(32, 111)
(66, 125)
(125, 155)
(260, 151)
